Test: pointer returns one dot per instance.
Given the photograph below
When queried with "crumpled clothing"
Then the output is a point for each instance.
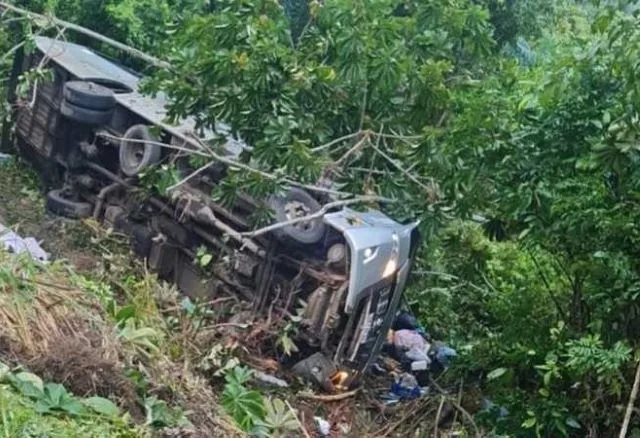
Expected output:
(409, 339)
(444, 355)
(12, 242)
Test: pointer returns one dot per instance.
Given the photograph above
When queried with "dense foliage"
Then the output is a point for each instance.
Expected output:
(509, 127)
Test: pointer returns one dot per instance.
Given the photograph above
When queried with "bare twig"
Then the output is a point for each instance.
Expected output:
(11, 20)
(400, 136)
(335, 141)
(46, 55)
(288, 181)
(455, 416)
(228, 324)
(198, 152)
(363, 109)
(34, 95)
(328, 398)
(315, 215)
(632, 401)
(365, 170)
(435, 426)
(357, 147)
(190, 176)
(459, 407)
(400, 168)
(13, 50)
(293, 411)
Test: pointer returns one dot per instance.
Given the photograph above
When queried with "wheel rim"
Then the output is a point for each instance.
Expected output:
(296, 210)
(134, 153)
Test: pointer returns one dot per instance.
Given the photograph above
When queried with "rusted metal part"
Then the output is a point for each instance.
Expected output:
(204, 198)
(316, 309)
(332, 316)
(107, 173)
(264, 279)
(97, 209)
(204, 215)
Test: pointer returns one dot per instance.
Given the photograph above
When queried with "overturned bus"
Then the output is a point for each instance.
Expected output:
(91, 134)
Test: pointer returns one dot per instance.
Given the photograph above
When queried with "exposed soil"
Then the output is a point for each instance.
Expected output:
(83, 365)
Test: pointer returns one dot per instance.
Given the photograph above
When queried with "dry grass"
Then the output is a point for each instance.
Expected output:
(52, 325)
(38, 308)
(58, 332)
(195, 394)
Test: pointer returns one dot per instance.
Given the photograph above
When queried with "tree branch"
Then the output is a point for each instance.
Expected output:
(459, 407)
(328, 398)
(632, 401)
(190, 176)
(288, 181)
(354, 149)
(198, 152)
(315, 215)
(83, 30)
(335, 141)
(400, 168)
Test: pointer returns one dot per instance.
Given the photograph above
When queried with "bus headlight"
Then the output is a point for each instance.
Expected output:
(390, 268)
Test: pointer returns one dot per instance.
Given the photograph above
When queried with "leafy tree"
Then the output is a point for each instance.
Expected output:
(423, 102)
(357, 67)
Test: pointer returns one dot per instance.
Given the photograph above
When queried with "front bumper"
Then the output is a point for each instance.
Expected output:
(380, 261)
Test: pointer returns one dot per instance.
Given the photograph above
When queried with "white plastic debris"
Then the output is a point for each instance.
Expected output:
(4, 157)
(13, 243)
(324, 428)
(271, 380)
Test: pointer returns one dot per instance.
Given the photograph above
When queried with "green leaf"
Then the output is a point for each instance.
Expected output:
(571, 422)
(102, 406)
(29, 378)
(529, 423)
(4, 372)
(125, 313)
(205, 260)
(56, 393)
(498, 372)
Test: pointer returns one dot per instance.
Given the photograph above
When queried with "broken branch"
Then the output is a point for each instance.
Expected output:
(400, 168)
(335, 141)
(315, 215)
(293, 411)
(632, 401)
(198, 152)
(328, 398)
(459, 407)
(83, 30)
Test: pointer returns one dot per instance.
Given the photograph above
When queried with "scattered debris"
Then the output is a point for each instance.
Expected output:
(317, 368)
(13, 243)
(404, 388)
(268, 379)
(489, 406)
(324, 428)
(413, 357)
(5, 157)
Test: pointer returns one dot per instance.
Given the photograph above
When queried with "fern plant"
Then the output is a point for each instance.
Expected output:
(245, 406)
